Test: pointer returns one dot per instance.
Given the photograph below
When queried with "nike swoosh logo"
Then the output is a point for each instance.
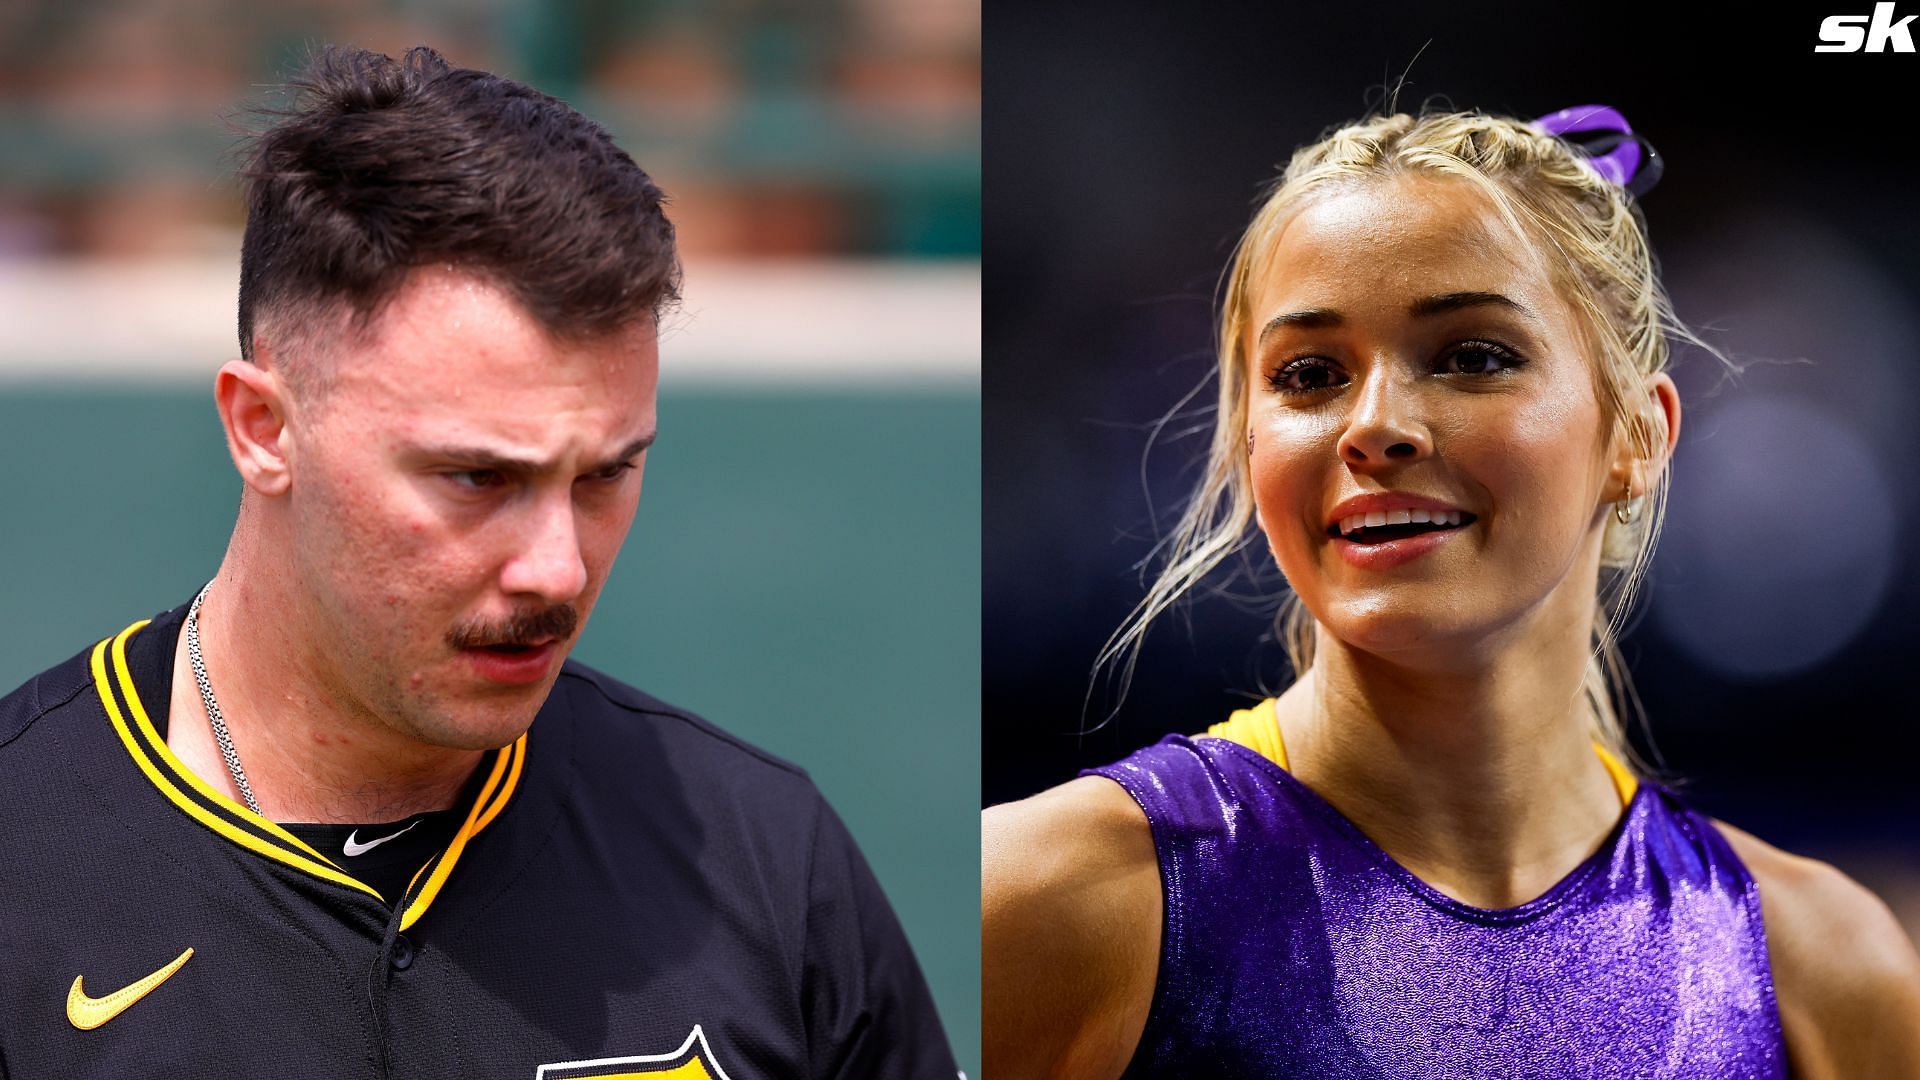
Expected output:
(353, 849)
(87, 1013)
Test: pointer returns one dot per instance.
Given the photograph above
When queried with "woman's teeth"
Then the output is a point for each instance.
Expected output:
(1376, 518)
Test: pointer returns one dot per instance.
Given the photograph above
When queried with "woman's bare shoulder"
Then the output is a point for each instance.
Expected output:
(1075, 861)
(1844, 970)
(1064, 832)
(1070, 915)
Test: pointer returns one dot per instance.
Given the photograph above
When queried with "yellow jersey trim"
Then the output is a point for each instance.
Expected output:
(157, 746)
(194, 809)
(1258, 729)
(483, 811)
(242, 826)
(513, 781)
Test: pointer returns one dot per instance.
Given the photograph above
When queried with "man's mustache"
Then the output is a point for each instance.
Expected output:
(520, 628)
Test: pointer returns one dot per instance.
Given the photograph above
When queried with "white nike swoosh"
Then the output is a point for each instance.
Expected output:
(353, 849)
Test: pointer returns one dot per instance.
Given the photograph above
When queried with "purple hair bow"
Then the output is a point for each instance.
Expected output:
(1611, 147)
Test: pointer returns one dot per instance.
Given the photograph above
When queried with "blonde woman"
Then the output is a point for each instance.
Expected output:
(1443, 407)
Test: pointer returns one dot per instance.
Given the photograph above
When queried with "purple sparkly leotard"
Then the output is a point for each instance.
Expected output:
(1294, 946)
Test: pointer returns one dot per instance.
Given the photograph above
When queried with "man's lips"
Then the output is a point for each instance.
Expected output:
(514, 664)
(515, 646)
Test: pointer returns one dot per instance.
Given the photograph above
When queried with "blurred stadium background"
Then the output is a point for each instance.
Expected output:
(805, 567)
(1774, 657)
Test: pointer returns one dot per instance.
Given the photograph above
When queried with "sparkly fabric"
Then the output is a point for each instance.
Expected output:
(1294, 946)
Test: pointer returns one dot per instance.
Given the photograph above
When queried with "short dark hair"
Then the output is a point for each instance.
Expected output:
(379, 166)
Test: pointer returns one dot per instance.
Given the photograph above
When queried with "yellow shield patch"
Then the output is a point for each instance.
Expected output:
(693, 1061)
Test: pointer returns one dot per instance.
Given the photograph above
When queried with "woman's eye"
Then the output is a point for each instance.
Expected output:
(1307, 375)
(1477, 358)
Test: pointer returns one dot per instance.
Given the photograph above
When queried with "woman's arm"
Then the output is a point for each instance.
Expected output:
(1844, 969)
(1070, 914)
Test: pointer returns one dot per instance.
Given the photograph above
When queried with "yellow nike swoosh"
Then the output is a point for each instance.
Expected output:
(87, 1013)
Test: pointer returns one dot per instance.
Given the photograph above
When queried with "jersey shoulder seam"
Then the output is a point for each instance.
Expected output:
(37, 707)
(594, 678)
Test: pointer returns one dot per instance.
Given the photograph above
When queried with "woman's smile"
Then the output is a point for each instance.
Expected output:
(1392, 545)
(1382, 530)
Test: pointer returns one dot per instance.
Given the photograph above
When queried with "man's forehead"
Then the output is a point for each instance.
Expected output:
(530, 424)
(450, 337)
(445, 304)
(455, 369)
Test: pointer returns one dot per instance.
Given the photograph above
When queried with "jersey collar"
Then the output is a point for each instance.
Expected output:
(114, 681)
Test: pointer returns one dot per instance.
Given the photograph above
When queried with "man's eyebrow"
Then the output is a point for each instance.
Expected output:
(482, 458)
(632, 451)
(1321, 318)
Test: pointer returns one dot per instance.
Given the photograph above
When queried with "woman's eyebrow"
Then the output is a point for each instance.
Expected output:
(1445, 302)
(1320, 318)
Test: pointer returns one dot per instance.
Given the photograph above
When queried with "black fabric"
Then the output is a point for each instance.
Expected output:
(384, 854)
(655, 891)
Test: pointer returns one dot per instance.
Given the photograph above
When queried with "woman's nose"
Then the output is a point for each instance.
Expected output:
(1385, 426)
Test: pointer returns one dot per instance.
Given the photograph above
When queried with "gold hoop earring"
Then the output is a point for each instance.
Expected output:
(1623, 510)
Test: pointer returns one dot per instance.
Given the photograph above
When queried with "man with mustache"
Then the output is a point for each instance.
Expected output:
(351, 811)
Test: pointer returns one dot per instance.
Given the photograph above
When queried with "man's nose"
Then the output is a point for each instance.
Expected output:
(1385, 426)
(548, 563)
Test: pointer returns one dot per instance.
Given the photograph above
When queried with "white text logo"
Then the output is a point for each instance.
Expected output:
(1844, 33)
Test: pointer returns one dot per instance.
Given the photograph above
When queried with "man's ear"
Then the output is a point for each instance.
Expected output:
(1634, 472)
(252, 400)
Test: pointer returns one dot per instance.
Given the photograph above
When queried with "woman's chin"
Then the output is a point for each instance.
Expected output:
(1402, 628)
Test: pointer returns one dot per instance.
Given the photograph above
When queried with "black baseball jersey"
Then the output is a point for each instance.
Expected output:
(629, 892)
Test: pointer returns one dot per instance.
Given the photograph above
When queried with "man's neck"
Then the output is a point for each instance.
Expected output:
(308, 751)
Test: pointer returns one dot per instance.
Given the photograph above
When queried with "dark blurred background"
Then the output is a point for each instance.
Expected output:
(1125, 149)
(804, 568)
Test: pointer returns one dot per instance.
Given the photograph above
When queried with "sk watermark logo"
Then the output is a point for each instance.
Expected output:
(1844, 33)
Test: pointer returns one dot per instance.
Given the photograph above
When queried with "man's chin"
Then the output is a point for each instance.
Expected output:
(469, 723)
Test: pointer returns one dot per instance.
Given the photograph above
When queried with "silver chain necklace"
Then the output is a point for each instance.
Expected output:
(213, 707)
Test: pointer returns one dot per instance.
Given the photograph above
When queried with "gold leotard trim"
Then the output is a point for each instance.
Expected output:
(1258, 729)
